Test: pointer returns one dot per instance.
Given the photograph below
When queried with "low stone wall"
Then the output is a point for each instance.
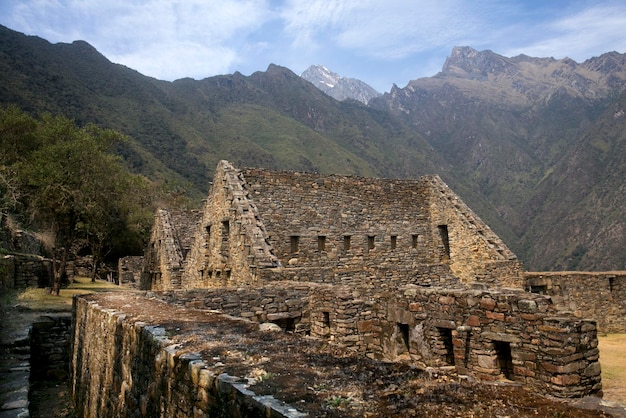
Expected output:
(489, 335)
(50, 347)
(597, 295)
(486, 334)
(22, 271)
(286, 304)
(121, 366)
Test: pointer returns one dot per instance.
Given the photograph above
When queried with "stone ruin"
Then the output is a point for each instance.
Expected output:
(400, 270)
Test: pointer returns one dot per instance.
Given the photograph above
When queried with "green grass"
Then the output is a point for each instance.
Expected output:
(39, 299)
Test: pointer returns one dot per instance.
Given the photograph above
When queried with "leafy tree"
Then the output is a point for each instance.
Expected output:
(72, 184)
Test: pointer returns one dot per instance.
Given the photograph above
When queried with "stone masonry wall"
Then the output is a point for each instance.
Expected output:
(50, 338)
(286, 304)
(486, 334)
(597, 295)
(22, 271)
(231, 240)
(124, 367)
(475, 252)
(129, 271)
(164, 258)
(338, 221)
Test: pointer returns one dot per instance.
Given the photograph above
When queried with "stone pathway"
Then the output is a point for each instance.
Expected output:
(14, 362)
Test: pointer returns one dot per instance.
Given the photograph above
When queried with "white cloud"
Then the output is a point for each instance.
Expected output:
(388, 30)
(580, 35)
(161, 38)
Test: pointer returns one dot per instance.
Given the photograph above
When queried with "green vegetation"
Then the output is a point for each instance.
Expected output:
(57, 177)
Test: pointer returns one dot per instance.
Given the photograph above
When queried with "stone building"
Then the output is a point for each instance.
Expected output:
(400, 270)
(259, 226)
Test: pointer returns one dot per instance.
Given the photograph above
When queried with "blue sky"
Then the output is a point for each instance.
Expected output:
(378, 41)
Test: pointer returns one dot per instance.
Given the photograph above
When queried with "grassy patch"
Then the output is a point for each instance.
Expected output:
(613, 361)
(39, 299)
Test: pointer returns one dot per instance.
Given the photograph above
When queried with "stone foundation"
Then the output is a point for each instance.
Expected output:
(489, 335)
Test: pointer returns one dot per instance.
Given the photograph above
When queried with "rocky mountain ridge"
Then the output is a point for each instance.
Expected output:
(339, 87)
(533, 145)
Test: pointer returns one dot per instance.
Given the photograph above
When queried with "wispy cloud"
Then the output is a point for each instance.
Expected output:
(386, 30)
(161, 37)
(389, 42)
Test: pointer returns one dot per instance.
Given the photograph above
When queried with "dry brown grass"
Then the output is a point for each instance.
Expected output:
(613, 362)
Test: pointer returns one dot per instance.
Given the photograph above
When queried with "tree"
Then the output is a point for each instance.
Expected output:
(72, 184)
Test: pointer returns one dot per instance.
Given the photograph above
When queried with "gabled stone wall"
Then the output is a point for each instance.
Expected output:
(164, 258)
(260, 225)
(475, 252)
(231, 242)
(598, 295)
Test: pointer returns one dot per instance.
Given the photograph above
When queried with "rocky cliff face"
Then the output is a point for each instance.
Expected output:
(338, 87)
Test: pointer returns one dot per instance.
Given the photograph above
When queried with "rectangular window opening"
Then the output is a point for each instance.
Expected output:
(225, 230)
(394, 242)
(445, 240)
(326, 319)
(611, 284)
(414, 241)
(542, 290)
(403, 332)
(321, 243)
(447, 348)
(505, 360)
(371, 242)
(295, 244)
(346, 242)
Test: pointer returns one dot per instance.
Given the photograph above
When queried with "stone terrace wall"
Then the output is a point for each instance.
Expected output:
(376, 277)
(122, 367)
(597, 295)
(50, 338)
(286, 304)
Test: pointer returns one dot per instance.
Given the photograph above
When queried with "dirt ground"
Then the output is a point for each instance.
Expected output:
(326, 382)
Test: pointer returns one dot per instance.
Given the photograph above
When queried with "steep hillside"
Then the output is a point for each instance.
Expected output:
(578, 210)
(180, 130)
(508, 124)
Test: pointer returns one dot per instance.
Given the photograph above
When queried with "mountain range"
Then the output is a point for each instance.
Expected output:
(536, 146)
